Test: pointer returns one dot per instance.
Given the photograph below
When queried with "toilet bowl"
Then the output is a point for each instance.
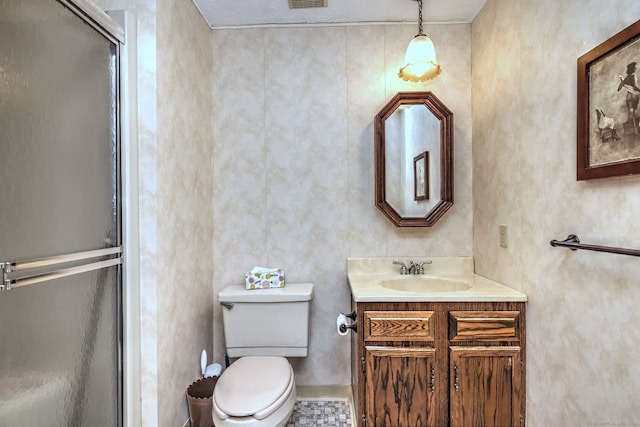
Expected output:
(255, 391)
(261, 328)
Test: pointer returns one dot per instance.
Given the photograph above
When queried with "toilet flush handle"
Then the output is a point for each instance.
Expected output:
(227, 304)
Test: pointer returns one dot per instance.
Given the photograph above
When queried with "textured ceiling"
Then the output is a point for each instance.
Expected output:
(268, 13)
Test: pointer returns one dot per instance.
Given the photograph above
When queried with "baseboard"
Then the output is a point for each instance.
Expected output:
(324, 392)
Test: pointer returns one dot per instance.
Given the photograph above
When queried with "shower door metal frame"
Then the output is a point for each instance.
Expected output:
(112, 31)
(15, 274)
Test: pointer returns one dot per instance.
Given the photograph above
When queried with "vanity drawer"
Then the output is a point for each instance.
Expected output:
(483, 325)
(398, 325)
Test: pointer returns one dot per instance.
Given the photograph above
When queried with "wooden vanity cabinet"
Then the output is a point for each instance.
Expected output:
(439, 364)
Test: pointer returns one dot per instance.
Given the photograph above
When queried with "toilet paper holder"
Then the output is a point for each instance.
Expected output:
(353, 326)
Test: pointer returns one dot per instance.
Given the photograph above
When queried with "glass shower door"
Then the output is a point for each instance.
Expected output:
(60, 218)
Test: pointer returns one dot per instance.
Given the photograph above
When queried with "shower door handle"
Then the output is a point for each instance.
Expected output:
(16, 274)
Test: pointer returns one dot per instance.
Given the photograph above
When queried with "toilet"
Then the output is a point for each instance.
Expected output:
(261, 328)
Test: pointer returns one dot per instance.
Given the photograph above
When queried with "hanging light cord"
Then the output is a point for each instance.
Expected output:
(420, 33)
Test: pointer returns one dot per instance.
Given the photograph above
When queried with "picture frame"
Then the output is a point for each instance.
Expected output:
(421, 176)
(608, 120)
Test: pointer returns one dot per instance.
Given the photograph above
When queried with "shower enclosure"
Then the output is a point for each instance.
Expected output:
(60, 215)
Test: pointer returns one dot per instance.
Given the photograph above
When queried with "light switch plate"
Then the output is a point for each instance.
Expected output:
(504, 238)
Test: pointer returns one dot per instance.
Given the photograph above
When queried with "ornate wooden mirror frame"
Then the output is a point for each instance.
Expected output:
(445, 116)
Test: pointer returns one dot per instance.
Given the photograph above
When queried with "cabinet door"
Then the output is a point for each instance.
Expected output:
(400, 386)
(485, 386)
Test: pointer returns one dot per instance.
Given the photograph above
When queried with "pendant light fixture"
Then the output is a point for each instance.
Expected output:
(420, 62)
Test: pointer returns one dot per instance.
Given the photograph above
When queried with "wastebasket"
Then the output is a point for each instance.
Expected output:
(199, 398)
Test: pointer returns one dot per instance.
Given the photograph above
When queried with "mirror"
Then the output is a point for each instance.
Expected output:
(414, 159)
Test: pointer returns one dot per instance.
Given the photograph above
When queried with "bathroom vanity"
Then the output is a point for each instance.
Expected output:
(446, 348)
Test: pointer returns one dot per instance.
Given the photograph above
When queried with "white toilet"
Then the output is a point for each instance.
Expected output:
(261, 327)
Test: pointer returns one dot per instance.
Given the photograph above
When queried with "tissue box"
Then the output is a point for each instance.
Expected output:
(264, 280)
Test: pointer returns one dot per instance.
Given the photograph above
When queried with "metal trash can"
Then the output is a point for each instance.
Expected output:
(200, 400)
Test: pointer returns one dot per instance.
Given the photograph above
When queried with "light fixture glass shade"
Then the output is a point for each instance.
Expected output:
(420, 60)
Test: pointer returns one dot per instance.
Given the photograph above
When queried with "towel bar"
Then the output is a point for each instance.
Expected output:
(573, 242)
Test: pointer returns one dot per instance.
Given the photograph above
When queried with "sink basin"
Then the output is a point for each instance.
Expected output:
(425, 284)
(445, 279)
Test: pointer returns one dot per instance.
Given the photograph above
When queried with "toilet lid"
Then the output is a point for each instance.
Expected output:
(251, 384)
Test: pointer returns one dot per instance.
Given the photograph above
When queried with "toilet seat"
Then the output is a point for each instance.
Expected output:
(253, 386)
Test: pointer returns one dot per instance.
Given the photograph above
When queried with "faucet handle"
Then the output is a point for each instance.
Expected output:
(403, 266)
(420, 266)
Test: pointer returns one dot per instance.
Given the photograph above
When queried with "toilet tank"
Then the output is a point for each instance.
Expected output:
(266, 322)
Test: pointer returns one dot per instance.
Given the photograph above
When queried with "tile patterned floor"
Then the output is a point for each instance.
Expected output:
(326, 413)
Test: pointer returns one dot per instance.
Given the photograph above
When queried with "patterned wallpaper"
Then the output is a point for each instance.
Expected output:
(293, 163)
(175, 185)
(184, 215)
(583, 367)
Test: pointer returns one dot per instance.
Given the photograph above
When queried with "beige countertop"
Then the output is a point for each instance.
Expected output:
(445, 279)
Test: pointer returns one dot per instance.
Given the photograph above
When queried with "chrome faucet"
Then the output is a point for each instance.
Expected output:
(419, 267)
(414, 268)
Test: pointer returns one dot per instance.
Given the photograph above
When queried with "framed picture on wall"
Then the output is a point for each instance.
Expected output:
(608, 102)
(421, 176)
